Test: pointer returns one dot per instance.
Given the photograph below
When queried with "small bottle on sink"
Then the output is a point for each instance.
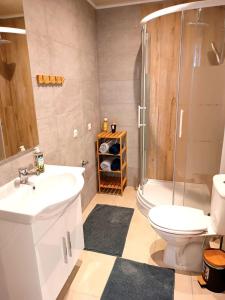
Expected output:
(39, 160)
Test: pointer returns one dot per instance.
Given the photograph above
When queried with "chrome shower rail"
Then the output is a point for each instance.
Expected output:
(180, 8)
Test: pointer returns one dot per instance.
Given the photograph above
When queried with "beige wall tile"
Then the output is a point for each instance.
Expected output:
(119, 18)
(120, 67)
(66, 123)
(65, 60)
(35, 22)
(39, 53)
(133, 159)
(88, 66)
(89, 190)
(6, 173)
(48, 134)
(122, 114)
(133, 176)
(119, 42)
(132, 135)
(63, 28)
(44, 100)
(53, 158)
(67, 98)
(117, 92)
(72, 153)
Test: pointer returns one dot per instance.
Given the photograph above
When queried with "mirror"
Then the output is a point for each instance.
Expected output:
(18, 124)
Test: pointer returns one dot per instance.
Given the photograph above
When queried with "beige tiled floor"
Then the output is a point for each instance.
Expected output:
(142, 245)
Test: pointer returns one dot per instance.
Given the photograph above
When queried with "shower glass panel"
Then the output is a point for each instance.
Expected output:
(142, 110)
(157, 138)
(201, 108)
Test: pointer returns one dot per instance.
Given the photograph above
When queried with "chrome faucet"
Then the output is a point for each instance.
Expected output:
(24, 174)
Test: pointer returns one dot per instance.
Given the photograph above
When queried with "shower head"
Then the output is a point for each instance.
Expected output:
(198, 21)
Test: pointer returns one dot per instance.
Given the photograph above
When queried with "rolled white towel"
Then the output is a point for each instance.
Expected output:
(104, 147)
(106, 164)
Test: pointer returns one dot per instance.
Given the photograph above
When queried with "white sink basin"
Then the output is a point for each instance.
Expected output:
(55, 189)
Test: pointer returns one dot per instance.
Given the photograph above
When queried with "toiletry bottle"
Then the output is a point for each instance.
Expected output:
(39, 160)
(105, 126)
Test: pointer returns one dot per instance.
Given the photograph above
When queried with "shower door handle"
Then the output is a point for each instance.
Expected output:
(140, 108)
(181, 123)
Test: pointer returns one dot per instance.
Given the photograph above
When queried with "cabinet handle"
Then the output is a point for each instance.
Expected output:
(64, 250)
(69, 243)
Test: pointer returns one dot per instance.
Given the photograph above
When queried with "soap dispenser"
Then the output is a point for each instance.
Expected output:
(39, 160)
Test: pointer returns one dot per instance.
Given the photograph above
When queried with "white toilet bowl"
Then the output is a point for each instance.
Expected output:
(184, 229)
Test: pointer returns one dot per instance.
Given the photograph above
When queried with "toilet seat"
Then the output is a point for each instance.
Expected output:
(179, 220)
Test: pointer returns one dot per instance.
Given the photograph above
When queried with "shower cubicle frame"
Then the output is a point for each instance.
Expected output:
(142, 108)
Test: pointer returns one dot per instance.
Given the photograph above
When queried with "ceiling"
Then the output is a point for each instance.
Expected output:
(99, 4)
(10, 8)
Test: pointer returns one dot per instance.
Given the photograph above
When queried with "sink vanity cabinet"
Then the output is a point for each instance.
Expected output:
(37, 259)
(38, 253)
(59, 249)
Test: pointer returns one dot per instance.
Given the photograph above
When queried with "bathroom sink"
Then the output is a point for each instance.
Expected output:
(47, 195)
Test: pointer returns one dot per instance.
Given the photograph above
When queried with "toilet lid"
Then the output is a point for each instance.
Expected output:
(178, 218)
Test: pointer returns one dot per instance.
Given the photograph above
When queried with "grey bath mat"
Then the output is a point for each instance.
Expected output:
(130, 280)
(105, 229)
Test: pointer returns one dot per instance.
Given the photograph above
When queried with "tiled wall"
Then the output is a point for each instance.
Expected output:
(119, 53)
(62, 41)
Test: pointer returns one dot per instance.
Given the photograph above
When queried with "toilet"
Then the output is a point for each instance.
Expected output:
(184, 228)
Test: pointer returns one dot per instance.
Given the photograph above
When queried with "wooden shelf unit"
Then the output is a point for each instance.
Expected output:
(112, 182)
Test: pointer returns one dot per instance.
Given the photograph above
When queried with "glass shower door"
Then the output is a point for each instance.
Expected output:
(142, 110)
(201, 108)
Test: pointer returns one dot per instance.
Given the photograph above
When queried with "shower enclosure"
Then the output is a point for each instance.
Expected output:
(181, 116)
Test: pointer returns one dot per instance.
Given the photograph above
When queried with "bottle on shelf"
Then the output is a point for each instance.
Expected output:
(105, 126)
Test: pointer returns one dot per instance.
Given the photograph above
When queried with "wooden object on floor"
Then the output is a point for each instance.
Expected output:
(112, 182)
